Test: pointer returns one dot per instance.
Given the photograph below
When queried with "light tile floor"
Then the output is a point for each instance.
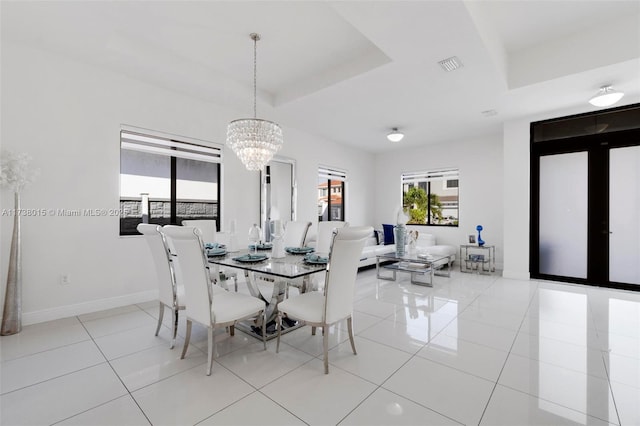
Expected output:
(471, 350)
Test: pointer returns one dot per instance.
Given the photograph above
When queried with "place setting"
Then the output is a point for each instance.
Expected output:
(251, 258)
(215, 249)
(261, 246)
(315, 259)
(299, 250)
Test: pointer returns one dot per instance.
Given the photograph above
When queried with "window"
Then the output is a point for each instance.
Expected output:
(431, 198)
(165, 179)
(331, 194)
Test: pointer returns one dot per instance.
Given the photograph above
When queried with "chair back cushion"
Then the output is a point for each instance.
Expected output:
(325, 235)
(295, 233)
(192, 270)
(340, 281)
(207, 228)
(160, 253)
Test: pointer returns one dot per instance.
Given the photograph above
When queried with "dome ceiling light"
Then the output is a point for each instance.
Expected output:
(395, 135)
(605, 97)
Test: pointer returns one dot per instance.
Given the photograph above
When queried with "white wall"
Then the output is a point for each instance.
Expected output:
(481, 199)
(67, 115)
(516, 195)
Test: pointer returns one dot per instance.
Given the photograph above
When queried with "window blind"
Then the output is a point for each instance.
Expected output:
(332, 174)
(171, 146)
(437, 175)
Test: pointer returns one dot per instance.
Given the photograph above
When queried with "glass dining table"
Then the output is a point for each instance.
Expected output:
(273, 274)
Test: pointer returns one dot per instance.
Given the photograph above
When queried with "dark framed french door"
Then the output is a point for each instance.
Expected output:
(585, 207)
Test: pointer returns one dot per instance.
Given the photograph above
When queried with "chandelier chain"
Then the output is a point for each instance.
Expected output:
(255, 73)
(254, 141)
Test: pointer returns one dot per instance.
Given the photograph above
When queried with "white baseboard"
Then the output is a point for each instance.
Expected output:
(516, 275)
(87, 307)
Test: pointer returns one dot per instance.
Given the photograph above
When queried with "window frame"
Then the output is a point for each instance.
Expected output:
(174, 147)
(332, 174)
(425, 179)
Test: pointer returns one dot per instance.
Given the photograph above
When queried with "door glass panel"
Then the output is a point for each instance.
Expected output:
(624, 211)
(563, 215)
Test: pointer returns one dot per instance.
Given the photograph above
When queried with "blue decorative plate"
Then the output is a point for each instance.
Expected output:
(250, 258)
(214, 246)
(299, 250)
(314, 259)
(212, 252)
(263, 246)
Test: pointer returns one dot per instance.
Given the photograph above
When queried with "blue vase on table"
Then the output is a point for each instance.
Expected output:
(480, 240)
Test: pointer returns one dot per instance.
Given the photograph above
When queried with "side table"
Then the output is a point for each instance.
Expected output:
(475, 258)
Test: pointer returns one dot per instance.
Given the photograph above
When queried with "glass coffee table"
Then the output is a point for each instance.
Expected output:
(418, 265)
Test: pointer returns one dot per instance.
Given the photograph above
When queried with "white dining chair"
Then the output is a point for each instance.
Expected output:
(335, 302)
(295, 233)
(213, 309)
(170, 294)
(325, 235)
(208, 229)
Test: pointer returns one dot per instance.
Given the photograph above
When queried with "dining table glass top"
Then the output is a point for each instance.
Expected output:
(290, 266)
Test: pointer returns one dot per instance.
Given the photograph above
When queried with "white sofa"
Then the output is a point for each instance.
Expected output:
(372, 249)
(426, 244)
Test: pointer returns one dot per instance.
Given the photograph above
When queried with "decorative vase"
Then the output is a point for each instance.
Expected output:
(400, 233)
(412, 236)
(12, 313)
(480, 240)
(277, 231)
(233, 242)
(233, 238)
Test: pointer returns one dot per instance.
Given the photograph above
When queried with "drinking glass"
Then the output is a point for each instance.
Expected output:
(277, 230)
(254, 237)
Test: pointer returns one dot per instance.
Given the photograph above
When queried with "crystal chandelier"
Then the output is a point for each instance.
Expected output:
(254, 141)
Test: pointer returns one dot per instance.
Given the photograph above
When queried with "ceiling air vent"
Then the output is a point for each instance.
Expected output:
(451, 64)
(489, 113)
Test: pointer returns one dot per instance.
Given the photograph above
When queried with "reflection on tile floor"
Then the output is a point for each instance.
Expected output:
(471, 350)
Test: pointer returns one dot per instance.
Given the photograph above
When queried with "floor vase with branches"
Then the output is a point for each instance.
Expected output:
(15, 173)
(12, 312)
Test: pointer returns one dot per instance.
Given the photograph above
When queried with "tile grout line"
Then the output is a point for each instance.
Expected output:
(606, 370)
(45, 350)
(115, 315)
(119, 378)
(256, 389)
(412, 356)
(259, 390)
(85, 339)
(52, 378)
(507, 358)
(528, 394)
